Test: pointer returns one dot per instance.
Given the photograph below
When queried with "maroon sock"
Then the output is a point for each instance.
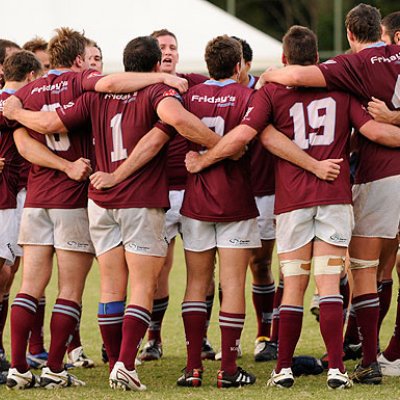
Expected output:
(111, 332)
(36, 340)
(366, 307)
(392, 351)
(275, 313)
(159, 308)
(194, 314)
(344, 289)
(352, 336)
(385, 297)
(231, 326)
(3, 318)
(63, 322)
(210, 304)
(263, 301)
(134, 326)
(331, 326)
(76, 339)
(23, 311)
(290, 321)
(220, 294)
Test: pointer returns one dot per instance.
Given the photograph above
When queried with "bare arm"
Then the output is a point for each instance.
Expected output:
(381, 113)
(188, 125)
(385, 134)
(126, 82)
(147, 147)
(295, 75)
(39, 121)
(280, 145)
(38, 154)
(2, 162)
(230, 144)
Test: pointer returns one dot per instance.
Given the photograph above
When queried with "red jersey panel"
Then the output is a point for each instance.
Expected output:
(222, 192)
(9, 177)
(49, 188)
(119, 121)
(319, 122)
(262, 169)
(178, 147)
(374, 71)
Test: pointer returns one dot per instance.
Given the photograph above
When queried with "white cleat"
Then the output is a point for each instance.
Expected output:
(283, 379)
(78, 359)
(20, 381)
(338, 380)
(123, 379)
(389, 368)
(56, 380)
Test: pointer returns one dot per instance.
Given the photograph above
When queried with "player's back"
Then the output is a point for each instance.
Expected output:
(319, 122)
(221, 192)
(9, 176)
(374, 71)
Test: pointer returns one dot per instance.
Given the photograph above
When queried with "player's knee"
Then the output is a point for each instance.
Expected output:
(356, 263)
(295, 267)
(328, 265)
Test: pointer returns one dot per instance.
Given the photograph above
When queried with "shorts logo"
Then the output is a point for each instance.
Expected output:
(77, 244)
(136, 247)
(337, 239)
(239, 242)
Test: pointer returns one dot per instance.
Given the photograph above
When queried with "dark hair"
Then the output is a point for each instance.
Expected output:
(246, 49)
(392, 24)
(4, 45)
(17, 65)
(36, 44)
(142, 54)
(222, 54)
(364, 22)
(300, 46)
(163, 32)
(65, 47)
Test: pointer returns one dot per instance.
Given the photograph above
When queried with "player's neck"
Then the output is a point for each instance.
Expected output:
(361, 46)
(14, 85)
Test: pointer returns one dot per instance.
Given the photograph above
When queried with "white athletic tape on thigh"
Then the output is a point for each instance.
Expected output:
(356, 263)
(328, 265)
(295, 267)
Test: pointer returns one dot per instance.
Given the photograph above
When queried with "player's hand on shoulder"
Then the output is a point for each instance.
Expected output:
(193, 162)
(79, 170)
(2, 162)
(379, 111)
(102, 180)
(262, 81)
(11, 105)
(181, 84)
(329, 169)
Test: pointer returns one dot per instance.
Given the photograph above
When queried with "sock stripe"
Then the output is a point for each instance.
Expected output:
(42, 301)
(25, 303)
(194, 306)
(160, 306)
(66, 310)
(110, 320)
(139, 314)
(6, 297)
(298, 309)
(331, 299)
(263, 289)
(366, 304)
(344, 280)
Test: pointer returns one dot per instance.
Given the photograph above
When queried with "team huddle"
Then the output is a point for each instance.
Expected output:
(307, 155)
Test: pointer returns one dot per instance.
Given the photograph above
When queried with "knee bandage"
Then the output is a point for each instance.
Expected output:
(295, 267)
(328, 265)
(356, 263)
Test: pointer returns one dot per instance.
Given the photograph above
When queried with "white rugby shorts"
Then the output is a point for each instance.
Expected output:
(266, 219)
(331, 223)
(201, 235)
(139, 230)
(8, 235)
(173, 217)
(377, 208)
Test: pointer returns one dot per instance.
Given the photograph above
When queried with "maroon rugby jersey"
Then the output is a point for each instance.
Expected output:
(9, 177)
(49, 188)
(119, 121)
(178, 147)
(374, 71)
(222, 192)
(318, 121)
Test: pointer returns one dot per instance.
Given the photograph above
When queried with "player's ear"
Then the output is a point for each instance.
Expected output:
(157, 67)
(396, 38)
(317, 58)
(284, 59)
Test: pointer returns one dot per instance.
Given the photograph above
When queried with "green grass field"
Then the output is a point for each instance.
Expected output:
(160, 377)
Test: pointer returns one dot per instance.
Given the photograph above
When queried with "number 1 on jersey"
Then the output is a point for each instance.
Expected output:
(119, 152)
